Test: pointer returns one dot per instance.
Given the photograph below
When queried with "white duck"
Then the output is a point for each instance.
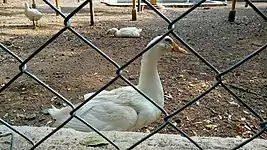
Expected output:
(124, 109)
(125, 32)
(33, 14)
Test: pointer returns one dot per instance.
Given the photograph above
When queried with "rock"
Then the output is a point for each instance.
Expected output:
(71, 139)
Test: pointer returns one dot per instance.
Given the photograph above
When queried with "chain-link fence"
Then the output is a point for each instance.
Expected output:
(167, 117)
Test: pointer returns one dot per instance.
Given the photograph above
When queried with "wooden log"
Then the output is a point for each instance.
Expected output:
(92, 14)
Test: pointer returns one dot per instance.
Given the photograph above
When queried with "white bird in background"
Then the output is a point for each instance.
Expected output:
(124, 109)
(33, 14)
(125, 32)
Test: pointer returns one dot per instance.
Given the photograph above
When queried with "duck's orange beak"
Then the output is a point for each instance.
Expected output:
(177, 48)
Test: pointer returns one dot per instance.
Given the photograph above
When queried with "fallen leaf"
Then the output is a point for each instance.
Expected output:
(147, 131)
(94, 141)
(169, 96)
(48, 122)
(234, 103)
(53, 98)
(191, 85)
(210, 126)
(194, 133)
(246, 112)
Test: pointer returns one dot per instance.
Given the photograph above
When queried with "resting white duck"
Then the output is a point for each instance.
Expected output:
(32, 14)
(125, 32)
(124, 109)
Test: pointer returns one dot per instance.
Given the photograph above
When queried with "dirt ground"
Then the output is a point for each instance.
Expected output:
(73, 68)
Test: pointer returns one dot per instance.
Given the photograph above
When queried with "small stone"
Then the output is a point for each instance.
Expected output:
(180, 76)
(243, 119)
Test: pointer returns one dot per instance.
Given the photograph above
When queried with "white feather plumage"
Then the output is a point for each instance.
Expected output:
(125, 32)
(32, 14)
(123, 109)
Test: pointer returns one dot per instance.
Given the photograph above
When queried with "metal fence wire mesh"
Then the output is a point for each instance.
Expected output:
(167, 117)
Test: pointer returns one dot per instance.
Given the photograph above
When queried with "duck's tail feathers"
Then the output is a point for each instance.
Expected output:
(61, 115)
(53, 111)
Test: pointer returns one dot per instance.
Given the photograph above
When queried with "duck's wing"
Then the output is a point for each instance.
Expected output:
(105, 116)
(103, 95)
(128, 28)
(34, 12)
(109, 110)
(90, 94)
(129, 33)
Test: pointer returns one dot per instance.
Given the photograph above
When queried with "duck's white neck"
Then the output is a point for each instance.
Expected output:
(149, 81)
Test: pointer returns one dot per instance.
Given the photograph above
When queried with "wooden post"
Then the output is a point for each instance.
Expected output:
(4, 1)
(233, 5)
(57, 5)
(153, 2)
(92, 13)
(134, 15)
(139, 6)
(33, 4)
(231, 17)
